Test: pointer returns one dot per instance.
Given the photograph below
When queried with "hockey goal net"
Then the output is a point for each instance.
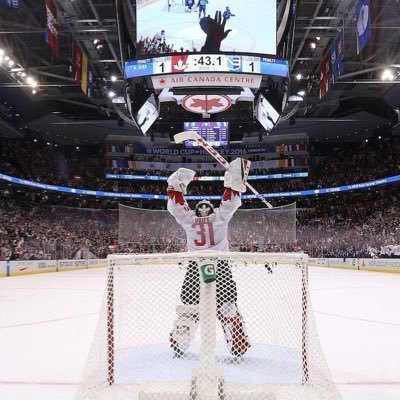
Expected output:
(164, 333)
(174, 5)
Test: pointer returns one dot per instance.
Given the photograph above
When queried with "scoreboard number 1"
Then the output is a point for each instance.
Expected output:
(251, 66)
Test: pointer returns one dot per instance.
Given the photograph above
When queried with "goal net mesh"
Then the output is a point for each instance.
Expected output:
(150, 231)
(164, 333)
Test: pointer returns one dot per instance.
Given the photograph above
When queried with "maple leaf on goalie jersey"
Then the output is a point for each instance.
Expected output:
(206, 104)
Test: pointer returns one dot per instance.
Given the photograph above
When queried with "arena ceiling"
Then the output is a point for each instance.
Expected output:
(358, 102)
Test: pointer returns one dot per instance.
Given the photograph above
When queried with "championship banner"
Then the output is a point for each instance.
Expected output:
(325, 76)
(363, 21)
(10, 3)
(209, 80)
(52, 27)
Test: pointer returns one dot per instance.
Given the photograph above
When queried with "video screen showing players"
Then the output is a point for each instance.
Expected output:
(147, 115)
(266, 114)
(207, 26)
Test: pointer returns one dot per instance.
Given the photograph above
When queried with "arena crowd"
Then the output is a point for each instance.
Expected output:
(361, 224)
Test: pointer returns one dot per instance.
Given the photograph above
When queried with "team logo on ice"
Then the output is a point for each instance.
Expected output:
(206, 104)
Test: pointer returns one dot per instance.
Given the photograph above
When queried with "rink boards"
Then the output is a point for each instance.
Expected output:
(13, 268)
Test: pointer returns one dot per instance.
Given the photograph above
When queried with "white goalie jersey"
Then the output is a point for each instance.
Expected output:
(205, 233)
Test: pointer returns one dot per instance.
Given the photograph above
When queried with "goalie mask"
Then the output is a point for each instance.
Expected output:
(204, 208)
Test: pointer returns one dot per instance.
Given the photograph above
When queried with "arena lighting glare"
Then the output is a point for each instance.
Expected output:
(301, 93)
(113, 78)
(299, 77)
(313, 45)
(111, 94)
(387, 75)
(2, 52)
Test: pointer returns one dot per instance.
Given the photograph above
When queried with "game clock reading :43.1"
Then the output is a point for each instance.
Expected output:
(206, 63)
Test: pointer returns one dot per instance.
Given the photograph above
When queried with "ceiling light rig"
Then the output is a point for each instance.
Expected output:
(17, 72)
(387, 75)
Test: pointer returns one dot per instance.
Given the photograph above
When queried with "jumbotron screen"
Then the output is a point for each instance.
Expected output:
(169, 26)
(215, 133)
(147, 115)
(266, 114)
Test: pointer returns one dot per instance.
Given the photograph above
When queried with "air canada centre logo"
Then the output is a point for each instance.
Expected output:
(206, 104)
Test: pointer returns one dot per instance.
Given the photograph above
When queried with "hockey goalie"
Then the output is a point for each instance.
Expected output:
(206, 228)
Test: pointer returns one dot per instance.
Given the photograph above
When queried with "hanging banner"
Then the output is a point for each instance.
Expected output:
(363, 21)
(85, 73)
(52, 27)
(78, 62)
(337, 56)
(325, 76)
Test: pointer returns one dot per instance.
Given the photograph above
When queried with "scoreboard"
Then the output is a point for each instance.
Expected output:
(215, 133)
(189, 63)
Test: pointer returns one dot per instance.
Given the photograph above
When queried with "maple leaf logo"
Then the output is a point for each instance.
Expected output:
(162, 81)
(206, 104)
(180, 65)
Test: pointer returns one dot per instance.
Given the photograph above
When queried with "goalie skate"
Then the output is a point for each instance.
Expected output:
(234, 329)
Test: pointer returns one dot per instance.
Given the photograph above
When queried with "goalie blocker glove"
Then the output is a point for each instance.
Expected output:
(180, 179)
(236, 175)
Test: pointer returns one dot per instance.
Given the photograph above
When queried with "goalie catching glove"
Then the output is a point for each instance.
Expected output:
(180, 179)
(236, 175)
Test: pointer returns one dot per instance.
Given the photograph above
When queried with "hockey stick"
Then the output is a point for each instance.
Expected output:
(191, 135)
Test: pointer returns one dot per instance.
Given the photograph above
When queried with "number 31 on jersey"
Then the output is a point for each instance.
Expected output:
(205, 234)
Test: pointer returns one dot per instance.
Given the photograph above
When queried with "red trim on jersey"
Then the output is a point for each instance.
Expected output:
(179, 199)
(228, 194)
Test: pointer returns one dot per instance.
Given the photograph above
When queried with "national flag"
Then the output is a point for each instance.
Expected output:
(363, 21)
(337, 56)
(85, 73)
(52, 27)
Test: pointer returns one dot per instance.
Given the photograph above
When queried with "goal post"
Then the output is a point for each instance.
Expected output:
(167, 331)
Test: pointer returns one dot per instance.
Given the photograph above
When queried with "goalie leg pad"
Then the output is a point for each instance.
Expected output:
(234, 329)
(184, 329)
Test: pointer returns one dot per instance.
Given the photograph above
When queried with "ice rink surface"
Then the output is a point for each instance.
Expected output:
(47, 323)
